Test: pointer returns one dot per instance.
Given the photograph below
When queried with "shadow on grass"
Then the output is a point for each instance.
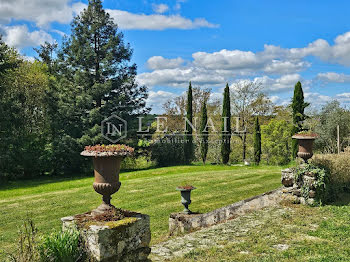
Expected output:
(48, 179)
(342, 200)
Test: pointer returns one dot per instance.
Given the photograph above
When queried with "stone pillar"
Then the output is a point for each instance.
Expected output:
(124, 240)
(293, 190)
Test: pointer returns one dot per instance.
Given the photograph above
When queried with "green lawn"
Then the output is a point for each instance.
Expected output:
(148, 191)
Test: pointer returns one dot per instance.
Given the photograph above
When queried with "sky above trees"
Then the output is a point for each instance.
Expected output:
(210, 43)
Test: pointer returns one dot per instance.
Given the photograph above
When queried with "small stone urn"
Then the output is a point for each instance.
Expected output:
(106, 161)
(305, 142)
(186, 197)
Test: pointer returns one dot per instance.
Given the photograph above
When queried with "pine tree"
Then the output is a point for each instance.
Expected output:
(96, 59)
(188, 146)
(298, 106)
(226, 127)
(95, 79)
(204, 132)
(257, 142)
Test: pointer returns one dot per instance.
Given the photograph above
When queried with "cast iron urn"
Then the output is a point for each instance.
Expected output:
(186, 197)
(106, 161)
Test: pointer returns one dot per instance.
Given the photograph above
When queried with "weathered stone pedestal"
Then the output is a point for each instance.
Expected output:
(300, 192)
(124, 240)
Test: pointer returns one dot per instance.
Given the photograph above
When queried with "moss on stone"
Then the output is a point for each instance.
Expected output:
(124, 222)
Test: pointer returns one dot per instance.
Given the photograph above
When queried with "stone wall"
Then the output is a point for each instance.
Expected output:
(182, 223)
(302, 191)
(124, 240)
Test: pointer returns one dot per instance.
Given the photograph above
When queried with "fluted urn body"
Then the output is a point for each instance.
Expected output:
(106, 183)
(305, 143)
(186, 198)
(106, 161)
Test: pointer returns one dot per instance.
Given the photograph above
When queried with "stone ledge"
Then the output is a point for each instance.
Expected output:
(181, 223)
(116, 241)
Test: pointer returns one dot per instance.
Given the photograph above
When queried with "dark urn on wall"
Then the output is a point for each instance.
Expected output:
(106, 160)
(186, 197)
(306, 143)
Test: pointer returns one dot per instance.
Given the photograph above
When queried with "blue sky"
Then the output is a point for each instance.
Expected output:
(275, 43)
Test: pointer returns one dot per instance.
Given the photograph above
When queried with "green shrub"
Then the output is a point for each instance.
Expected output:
(338, 166)
(62, 246)
(322, 185)
(136, 163)
(169, 150)
(276, 142)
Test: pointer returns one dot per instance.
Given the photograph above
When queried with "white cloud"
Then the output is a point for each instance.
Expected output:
(180, 77)
(42, 12)
(317, 99)
(157, 99)
(127, 20)
(334, 77)
(285, 67)
(177, 6)
(19, 36)
(343, 97)
(268, 61)
(283, 83)
(161, 8)
(159, 62)
(226, 59)
(273, 85)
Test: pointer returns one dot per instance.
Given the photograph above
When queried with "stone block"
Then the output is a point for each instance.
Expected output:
(124, 240)
(312, 194)
(287, 177)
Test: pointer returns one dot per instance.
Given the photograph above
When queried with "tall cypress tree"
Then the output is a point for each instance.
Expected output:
(188, 147)
(298, 106)
(257, 141)
(204, 132)
(226, 127)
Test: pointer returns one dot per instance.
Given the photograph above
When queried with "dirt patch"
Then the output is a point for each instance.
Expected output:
(87, 219)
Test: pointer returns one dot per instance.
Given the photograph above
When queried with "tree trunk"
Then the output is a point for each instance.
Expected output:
(244, 145)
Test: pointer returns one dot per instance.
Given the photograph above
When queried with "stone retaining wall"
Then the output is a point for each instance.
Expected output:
(294, 189)
(182, 223)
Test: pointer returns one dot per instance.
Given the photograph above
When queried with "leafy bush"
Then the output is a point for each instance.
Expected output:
(136, 163)
(62, 246)
(276, 142)
(169, 150)
(338, 166)
(322, 185)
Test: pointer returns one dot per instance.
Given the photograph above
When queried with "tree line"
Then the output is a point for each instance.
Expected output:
(52, 107)
(246, 103)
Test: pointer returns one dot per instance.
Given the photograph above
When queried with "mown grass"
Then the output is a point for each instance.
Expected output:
(306, 233)
(148, 191)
